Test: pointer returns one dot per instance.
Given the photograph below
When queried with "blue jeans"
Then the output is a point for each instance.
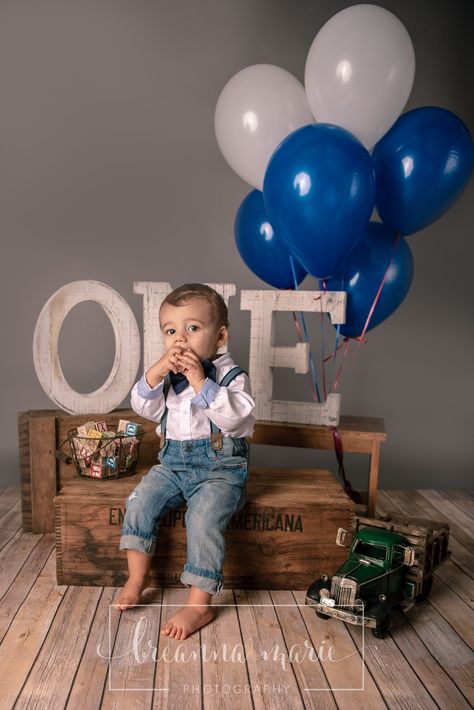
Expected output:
(213, 485)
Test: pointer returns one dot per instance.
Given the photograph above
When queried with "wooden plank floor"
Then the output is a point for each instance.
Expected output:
(55, 640)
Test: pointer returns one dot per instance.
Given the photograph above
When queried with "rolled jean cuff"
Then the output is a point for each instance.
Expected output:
(204, 579)
(135, 541)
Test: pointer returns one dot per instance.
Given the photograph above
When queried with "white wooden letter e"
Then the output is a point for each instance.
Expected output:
(127, 348)
(264, 355)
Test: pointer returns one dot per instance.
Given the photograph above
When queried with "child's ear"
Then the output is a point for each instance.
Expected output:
(223, 335)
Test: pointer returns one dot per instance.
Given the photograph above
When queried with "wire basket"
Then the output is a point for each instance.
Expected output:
(107, 455)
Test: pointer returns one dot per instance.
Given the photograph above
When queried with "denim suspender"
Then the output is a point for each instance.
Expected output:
(216, 434)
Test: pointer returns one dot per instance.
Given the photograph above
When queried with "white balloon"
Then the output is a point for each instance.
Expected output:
(256, 110)
(359, 71)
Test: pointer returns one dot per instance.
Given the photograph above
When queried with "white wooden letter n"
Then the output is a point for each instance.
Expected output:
(264, 355)
(154, 292)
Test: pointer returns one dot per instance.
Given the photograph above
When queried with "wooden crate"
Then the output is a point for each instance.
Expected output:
(282, 539)
(41, 432)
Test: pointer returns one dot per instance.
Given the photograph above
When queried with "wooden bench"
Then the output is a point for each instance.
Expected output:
(359, 434)
(41, 432)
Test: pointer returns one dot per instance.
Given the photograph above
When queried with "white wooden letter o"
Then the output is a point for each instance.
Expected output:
(127, 348)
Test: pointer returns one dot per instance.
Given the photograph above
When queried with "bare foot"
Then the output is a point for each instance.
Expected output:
(187, 620)
(132, 592)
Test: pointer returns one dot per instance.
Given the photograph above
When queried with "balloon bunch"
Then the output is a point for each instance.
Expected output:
(322, 156)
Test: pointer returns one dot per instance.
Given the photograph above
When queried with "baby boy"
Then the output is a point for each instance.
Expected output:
(204, 406)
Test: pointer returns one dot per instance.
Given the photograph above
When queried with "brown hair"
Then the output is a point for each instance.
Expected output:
(187, 291)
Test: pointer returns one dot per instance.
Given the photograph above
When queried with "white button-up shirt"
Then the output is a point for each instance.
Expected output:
(189, 413)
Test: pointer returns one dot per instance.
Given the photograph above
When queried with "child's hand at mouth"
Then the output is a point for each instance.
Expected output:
(190, 365)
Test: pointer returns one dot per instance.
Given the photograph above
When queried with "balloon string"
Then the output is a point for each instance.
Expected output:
(323, 367)
(298, 329)
(361, 336)
(336, 347)
(338, 446)
(355, 495)
(333, 355)
(339, 449)
(314, 380)
(336, 436)
(346, 344)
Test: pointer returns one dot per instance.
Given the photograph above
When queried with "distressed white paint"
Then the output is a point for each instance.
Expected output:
(264, 355)
(153, 294)
(296, 356)
(127, 348)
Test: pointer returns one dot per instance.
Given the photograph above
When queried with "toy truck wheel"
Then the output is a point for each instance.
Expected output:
(313, 591)
(383, 619)
(425, 590)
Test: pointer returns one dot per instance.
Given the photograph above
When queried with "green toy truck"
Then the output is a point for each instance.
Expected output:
(391, 563)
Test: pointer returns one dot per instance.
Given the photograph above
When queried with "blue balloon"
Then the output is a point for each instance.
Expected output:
(422, 165)
(319, 192)
(362, 275)
(261, 248)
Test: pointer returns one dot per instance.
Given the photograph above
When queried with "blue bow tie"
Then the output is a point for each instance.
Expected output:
(179, 382)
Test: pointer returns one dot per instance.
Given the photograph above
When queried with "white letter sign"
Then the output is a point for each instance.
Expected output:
(127, 348)
(264, 355)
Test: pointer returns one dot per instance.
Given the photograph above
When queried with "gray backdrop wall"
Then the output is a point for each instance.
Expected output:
(109, 170)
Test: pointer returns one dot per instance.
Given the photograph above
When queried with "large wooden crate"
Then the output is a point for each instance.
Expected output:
(282, 539)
